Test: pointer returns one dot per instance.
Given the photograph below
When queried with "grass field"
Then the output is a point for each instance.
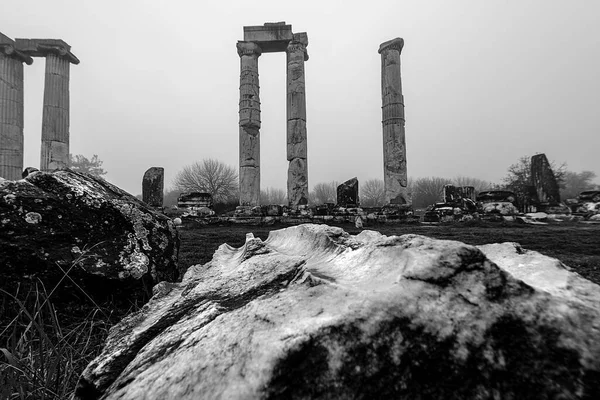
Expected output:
(577, 245)
(43, 350)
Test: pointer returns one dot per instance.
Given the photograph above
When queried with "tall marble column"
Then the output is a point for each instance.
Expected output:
(249, 124)
(394, 140)
(55, 116)
(11, 109)
(297, 183)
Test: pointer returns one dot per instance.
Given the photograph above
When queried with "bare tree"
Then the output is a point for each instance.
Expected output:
(518, 177)
(273, 196)
(211, 176)
(372, 193)
(80, 163)
(325, 192)
(479, 184)
(170, 197)
(575, 183)
(427, 191)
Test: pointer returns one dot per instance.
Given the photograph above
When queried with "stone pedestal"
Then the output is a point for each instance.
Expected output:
(153, 185)
(297, 184)
(394, 141)
(249, 124)
(55, 117)
(11, 108)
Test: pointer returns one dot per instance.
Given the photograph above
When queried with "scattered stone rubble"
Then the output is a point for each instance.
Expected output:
(586, 205)
(313, 312)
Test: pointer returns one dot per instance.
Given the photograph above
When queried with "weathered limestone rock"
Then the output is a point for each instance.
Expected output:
(55, 118)
(249, 124)
(394, 140)
(347, 193)
(153, 186)
(296, 120)
(56, 220)
(11, 108)
(313, 312)
(544, 181)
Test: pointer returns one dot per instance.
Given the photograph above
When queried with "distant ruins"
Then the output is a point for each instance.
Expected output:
(55, 118)
(277, 37)
(269, 38)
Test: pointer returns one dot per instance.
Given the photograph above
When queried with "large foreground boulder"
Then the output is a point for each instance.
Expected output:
(54, 222)
(313, 312)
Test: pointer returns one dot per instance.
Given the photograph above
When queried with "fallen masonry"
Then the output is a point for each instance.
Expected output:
(313, 312)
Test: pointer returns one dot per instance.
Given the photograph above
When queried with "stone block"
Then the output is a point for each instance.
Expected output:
(271, 37)
(347, 194)
(43, 47)
(544, 181)
(153, 185)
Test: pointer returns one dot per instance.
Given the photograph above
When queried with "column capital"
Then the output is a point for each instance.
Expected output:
(248, 49)
(394, 44)
(8, 47)
(298, 43)
(44, 47)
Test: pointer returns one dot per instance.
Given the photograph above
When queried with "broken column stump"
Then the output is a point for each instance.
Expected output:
(153, 186)
(347, 193)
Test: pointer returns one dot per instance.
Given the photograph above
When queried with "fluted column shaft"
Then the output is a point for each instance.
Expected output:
(249, 124)
(55, 118)
(297, 183)
(11, 115)
(394, 140)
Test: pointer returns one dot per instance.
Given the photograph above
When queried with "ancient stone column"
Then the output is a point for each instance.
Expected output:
(153, 185)
(394, 141)
(55, 116)
(11, 108)
(249, 124)
(297, 183)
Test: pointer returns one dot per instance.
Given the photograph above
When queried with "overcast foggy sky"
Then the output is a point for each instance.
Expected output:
(484, 82)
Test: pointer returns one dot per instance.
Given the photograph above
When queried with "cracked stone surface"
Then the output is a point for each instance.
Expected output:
(314, 312)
